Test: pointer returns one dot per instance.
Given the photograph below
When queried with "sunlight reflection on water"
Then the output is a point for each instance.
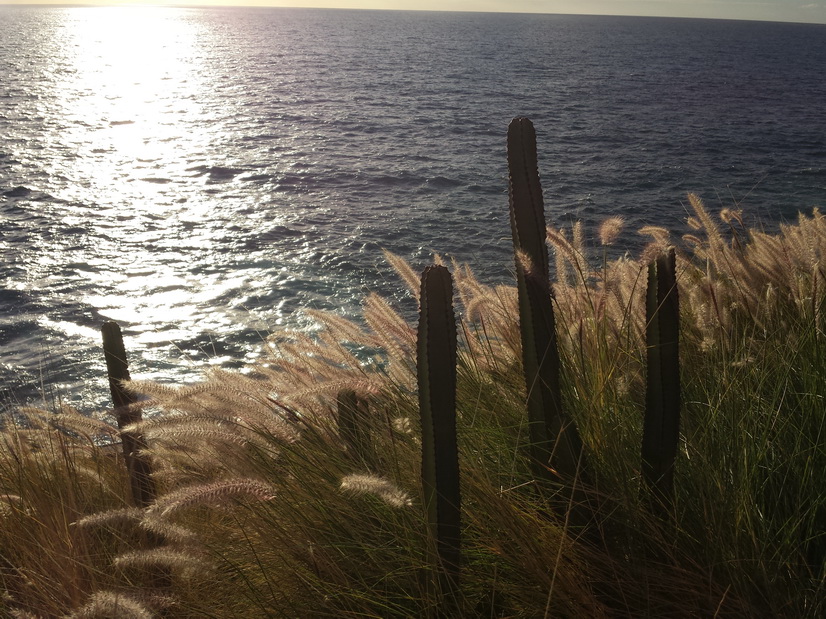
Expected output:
(202, 175)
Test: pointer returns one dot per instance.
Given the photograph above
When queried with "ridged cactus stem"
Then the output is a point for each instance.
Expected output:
(138, 466)
(661, 427)
(436, 369)
(555, 440)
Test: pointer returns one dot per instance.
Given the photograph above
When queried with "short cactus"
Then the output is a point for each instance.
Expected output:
(143, 486)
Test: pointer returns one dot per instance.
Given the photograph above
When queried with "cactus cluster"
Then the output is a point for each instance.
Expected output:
(555, 445)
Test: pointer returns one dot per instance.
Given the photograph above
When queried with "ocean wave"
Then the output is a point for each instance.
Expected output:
(299, 163)
(17, 192)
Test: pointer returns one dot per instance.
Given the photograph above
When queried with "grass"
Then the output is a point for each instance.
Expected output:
(263, 511)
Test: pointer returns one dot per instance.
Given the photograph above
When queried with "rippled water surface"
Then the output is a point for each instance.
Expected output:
(200, 175)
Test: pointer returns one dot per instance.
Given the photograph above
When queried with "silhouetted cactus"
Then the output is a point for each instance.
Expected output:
(353, 426)
(555, 441)
(143, 486)
(662, 396)
(436, 369)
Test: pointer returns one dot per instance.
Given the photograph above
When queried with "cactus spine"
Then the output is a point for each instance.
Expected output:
(436, 369)
(662, 395)
(555, 441)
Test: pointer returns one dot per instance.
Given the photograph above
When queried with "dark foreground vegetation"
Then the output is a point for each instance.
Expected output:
(626, 438)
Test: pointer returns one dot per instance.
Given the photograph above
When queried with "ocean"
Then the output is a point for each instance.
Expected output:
(203, 175)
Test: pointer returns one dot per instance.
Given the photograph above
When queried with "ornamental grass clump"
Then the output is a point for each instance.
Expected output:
(296, 489)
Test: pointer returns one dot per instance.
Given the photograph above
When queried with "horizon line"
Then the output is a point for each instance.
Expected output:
(219, 5)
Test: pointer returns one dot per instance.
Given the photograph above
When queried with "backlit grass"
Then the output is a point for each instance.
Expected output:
(264, 511)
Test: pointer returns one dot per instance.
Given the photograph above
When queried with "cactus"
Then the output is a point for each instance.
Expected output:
(555, 441)
(143, 486)
(662, 396)
(353, 428)
(436, 369)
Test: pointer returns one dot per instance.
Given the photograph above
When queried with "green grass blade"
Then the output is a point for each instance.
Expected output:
(353, 427)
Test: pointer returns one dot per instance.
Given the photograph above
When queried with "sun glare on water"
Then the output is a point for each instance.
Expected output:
(129, 123)
(125, 62)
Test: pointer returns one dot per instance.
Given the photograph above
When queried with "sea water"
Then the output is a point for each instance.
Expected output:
(203, 175)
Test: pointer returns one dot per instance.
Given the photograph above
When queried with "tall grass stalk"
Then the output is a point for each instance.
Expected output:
(268, 497)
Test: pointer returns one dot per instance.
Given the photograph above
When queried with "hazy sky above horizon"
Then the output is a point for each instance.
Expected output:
(772, 10)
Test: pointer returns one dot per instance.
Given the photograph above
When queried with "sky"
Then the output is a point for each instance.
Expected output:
(772, 10)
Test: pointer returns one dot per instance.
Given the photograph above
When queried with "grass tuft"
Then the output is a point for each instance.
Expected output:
(255, 481)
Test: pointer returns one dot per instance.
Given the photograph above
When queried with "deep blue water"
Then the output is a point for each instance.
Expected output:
(200, 175)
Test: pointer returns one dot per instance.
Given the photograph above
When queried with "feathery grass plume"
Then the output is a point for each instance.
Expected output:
(436, 368)
(574, 264)
(228, 407)
(395, 338)
(91, 429)
(171, 533)
(213, 493)
(490, 328)
(564, 253)
(714, 238)
(610, 230)
(192, 428)
(364, 385)
(555, 441)
(183, 563)
(377, 486)
(661, 235)
(112, 605)
(405, 271)
(46, 564)
(112, 517)
(736, 279)
(467, 284)
(728, 215)
(344, 329)
(31, 417)
(578, 243)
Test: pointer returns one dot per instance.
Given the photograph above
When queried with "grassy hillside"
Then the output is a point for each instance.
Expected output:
(268, 507)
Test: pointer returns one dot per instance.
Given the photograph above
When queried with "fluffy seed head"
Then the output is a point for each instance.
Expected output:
(184, 564)
(106, 604)
(213, 493)
(728, 214)
(610, 230)
(111, 517)
(377, 486)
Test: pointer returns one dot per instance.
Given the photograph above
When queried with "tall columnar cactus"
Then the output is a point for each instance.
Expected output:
(143, 486)
(662, 396)
(436, 369)
(555, 441)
